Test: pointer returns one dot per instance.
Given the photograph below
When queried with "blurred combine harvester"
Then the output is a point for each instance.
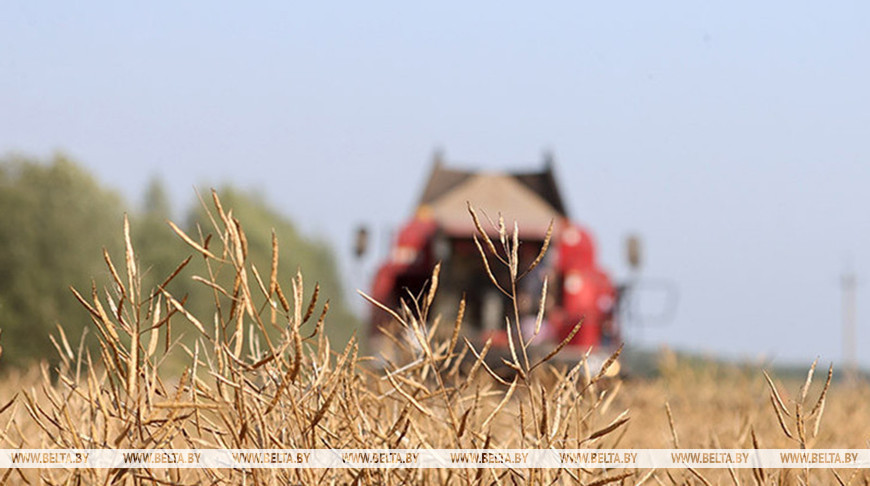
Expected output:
(441, 229)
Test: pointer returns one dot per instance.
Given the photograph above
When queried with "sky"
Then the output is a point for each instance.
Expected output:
(731, 137)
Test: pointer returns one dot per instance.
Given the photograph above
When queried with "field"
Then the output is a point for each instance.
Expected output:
(261, 374)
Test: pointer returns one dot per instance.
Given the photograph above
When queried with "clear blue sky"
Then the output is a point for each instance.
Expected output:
(733, 137)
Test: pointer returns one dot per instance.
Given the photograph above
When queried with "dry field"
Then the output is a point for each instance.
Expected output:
(262, 375)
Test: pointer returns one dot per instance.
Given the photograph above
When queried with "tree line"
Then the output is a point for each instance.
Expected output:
(57, 219)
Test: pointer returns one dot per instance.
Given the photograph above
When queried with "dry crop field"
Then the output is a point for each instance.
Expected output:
(261, 374)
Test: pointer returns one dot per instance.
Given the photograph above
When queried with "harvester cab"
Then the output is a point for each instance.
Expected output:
(441, 230)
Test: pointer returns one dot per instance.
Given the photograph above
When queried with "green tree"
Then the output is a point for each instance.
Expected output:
(56, 221)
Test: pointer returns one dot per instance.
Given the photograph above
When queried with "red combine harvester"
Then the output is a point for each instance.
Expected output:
(441, 230)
